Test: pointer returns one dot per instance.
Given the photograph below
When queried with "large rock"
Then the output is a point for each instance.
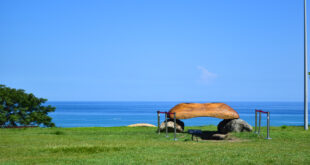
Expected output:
(170, 125)
(141, 125)
(190, 110)
(234, 125)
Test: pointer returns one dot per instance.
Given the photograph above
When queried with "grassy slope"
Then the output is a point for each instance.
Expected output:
(122, 145)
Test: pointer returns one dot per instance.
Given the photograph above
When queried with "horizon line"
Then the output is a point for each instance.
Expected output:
(160, 101)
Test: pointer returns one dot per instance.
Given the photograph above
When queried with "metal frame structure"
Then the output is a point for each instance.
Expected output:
(166, 128)
(259, 123)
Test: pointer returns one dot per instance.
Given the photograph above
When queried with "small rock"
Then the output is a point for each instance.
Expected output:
(219, 136)
(234, 125)
(141, 125)
(170, 125)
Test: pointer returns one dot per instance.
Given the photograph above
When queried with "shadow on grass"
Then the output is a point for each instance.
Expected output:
(210, 135)
(58, 133)
(217, 136)
(84, 149)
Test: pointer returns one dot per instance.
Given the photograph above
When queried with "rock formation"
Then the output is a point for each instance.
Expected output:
(234, 125)
(191, 110)
(170, 125)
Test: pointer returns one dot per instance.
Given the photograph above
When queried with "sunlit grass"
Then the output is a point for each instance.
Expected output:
(123, 145)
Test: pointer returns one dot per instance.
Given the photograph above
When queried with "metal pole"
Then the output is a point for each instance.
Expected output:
(158, 119)
(268, 125)
(175, 127)
(305, 69)
(255, 122)
(259, 121)
(166, 124)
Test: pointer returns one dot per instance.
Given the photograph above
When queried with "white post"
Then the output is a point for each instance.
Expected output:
(259, 121)
(268, 126)
(166, 124)
(255, 122)
(158, 121)
(175, 127)
(305, 69)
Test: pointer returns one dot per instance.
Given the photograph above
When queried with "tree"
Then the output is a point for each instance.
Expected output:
(18, 108)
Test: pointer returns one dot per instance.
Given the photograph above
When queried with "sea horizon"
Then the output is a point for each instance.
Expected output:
(123, 113)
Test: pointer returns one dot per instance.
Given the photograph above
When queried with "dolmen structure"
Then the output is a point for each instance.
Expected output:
(231, 122)
(191, 110)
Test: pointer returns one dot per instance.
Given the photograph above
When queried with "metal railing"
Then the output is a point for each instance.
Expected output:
(259, 122)
(166, 121)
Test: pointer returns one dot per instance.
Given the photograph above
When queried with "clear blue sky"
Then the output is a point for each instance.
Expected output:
(240, 50)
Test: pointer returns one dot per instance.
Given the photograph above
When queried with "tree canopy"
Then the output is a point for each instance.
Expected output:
(18, 108)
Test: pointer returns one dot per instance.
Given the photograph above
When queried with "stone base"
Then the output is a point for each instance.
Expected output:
(170, 125)
(234, 125)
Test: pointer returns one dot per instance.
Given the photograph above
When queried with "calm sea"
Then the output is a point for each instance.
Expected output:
(107, 114)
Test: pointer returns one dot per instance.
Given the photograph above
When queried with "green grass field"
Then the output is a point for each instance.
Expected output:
(123, 145)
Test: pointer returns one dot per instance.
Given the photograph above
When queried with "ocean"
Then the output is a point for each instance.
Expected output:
(108, 114)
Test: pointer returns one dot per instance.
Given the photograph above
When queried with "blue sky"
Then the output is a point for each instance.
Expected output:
(177, 50)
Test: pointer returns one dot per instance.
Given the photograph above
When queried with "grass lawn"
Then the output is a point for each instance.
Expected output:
(123, 145)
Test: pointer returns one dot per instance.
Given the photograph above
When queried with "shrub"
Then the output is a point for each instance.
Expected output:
(18, 108)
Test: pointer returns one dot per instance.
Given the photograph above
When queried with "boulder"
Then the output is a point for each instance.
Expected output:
(170, 125)
(191, 110)
(141, 125)
(234, 125)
